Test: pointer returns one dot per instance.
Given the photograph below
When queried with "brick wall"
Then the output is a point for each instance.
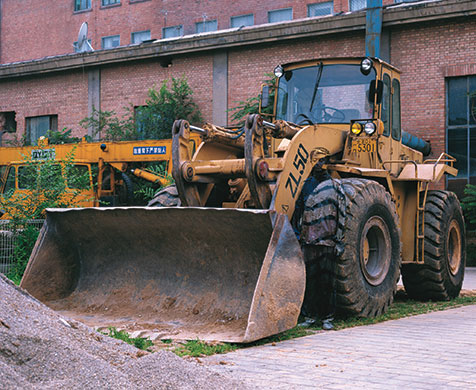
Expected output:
(425, 63)
(423, 60)
(34, 29)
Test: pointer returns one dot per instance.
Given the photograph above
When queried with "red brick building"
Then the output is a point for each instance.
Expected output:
(42, 79)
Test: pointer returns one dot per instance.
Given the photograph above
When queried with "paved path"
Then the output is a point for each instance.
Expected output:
(427, 352)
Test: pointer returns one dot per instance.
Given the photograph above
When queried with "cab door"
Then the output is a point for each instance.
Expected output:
(389, 143)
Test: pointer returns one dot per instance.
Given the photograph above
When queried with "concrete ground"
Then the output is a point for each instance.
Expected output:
(424, 352)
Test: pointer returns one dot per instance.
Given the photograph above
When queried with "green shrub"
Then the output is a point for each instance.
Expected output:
(44, 185)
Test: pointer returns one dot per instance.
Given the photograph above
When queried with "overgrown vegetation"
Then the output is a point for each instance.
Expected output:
(145, 191)
(63, 136)
(163, 107)
(173, 100)
(44, 184)
(468, 204)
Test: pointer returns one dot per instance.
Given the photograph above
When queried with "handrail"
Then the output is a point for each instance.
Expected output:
(403, 162)
(440, 160)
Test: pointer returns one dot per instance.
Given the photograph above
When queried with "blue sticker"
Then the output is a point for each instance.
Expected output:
(142, 150)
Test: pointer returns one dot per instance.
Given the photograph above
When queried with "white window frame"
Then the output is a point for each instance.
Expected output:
(320, 6)
(357, 8)
(137, 33)
(178, 29)
(277, 12)
(237, 21)
(105, 3)
(110, 37)
(83, 5)
(213, 23)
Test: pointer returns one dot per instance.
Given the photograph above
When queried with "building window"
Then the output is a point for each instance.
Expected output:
(355, 5)
(172, 31)
(110, 42)
(280, 15)
(8, 123)
(320, 9)
(461, 130)
(206, 26)
(37, 126)
(81, 5)
(110, 2)
(242, 20)
(140, 36)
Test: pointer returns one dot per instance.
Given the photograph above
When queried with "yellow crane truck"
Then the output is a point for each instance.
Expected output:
(227, 264)
(109, 166)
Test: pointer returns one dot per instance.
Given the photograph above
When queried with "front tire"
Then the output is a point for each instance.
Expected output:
(441, 276)
(369, 268)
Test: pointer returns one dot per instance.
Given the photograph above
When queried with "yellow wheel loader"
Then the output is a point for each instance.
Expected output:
(227, 263)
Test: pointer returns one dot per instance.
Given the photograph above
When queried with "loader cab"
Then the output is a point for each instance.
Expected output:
(327, 91)
(18, 179)
(361, 95)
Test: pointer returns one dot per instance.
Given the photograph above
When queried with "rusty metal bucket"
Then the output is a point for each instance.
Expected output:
(216, 274)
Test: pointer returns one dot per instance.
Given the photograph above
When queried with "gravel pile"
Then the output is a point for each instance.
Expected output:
(41, 350)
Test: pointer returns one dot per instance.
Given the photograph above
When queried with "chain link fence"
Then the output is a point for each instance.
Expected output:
(7, 243)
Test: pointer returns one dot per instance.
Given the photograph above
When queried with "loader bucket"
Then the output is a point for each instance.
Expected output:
(182, 273)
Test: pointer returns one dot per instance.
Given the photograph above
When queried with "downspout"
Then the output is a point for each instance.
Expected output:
(1, 5)
(373, 28)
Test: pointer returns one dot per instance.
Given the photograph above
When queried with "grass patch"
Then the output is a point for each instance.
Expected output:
(138, 342)
(198, 348)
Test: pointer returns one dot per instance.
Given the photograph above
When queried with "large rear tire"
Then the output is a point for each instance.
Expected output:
(166, 197)
(441, 276)
(369, 268)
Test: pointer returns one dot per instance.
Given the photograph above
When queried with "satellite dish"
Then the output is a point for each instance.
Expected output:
(83, 44)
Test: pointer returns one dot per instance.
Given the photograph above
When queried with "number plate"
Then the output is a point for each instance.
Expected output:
(364, 145)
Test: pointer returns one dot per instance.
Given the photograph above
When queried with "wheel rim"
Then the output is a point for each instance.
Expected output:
(375, 250)
(454, 247)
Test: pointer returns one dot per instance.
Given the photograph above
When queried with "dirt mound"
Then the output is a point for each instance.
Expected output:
(41, 350)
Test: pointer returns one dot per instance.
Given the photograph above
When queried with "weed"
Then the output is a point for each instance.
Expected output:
(138, 342)
(197, 348)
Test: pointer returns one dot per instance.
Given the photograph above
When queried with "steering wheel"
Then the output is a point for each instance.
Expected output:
(330, 113)
(305, 121)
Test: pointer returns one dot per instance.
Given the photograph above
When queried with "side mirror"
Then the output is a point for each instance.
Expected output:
(264, 96)
(375, 91)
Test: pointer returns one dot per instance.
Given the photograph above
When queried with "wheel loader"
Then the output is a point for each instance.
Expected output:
(221, 260)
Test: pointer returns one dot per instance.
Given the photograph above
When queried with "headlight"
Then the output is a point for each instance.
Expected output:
(356, 128)
(366, 66)
(278, 71)
(370, 128)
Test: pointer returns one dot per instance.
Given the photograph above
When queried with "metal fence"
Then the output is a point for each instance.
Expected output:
(8, 237)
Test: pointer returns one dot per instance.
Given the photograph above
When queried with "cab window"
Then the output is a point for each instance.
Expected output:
(26, 176)
(10, 182)
(386, 105)
(396, 126)
(77, 176)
